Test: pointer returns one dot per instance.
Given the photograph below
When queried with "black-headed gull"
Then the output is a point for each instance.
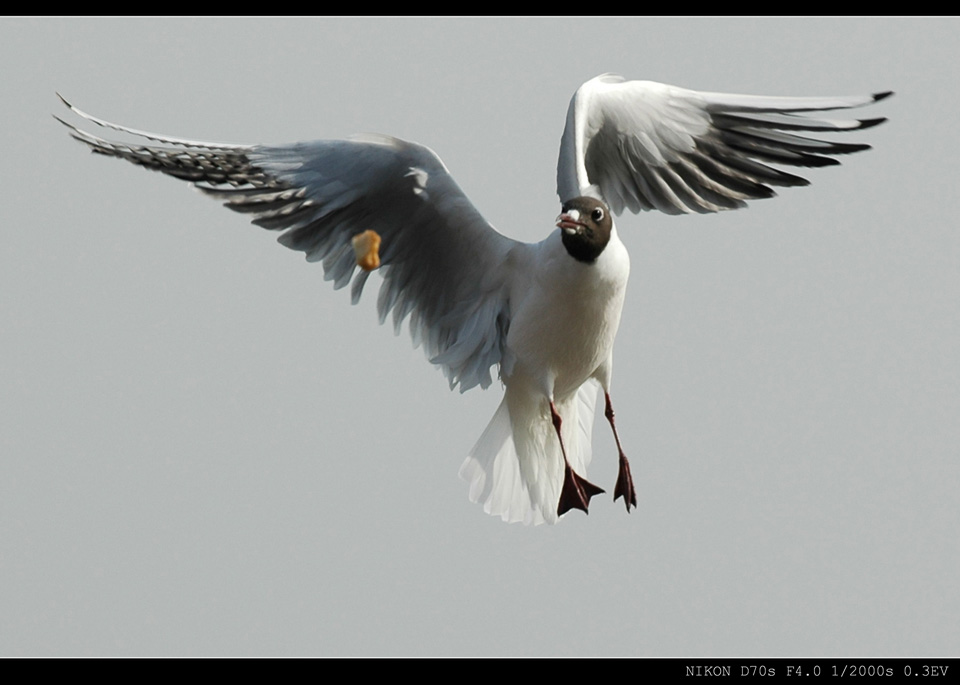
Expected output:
(545, 314)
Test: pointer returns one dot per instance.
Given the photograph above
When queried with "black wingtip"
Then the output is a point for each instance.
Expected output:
(877, 97)
(870, 123)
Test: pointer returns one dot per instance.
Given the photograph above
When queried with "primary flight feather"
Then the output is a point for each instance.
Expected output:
(545, 314)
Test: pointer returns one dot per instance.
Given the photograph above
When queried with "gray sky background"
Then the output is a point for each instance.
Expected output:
(204, 450)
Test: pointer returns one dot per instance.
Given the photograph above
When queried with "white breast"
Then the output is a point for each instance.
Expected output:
(565, 315)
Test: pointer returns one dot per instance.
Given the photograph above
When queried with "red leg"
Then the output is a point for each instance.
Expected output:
(624, 479)
(577, 491)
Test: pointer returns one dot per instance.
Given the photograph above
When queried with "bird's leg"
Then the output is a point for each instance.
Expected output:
(624, 479)
(577, 491)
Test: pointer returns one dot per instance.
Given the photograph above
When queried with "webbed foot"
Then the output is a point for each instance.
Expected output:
(576, 492)
(624, 486)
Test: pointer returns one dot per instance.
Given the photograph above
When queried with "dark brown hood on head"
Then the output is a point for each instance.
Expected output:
(585, 227)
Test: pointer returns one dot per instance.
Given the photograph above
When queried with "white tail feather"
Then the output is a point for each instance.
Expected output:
(516, 468)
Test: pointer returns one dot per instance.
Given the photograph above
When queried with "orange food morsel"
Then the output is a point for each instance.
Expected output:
(366, 247)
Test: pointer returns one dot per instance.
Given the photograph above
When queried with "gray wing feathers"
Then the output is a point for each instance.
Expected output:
(443, 265)
(642, 145)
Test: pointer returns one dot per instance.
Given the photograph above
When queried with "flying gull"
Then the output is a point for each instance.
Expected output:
(545, 314)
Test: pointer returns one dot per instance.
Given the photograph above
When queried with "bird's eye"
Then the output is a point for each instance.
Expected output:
(597, 214)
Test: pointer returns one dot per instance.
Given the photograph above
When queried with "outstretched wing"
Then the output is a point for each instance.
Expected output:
(442, 263)
(645, 145)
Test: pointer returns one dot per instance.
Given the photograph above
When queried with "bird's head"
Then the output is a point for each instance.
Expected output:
(585, 227)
